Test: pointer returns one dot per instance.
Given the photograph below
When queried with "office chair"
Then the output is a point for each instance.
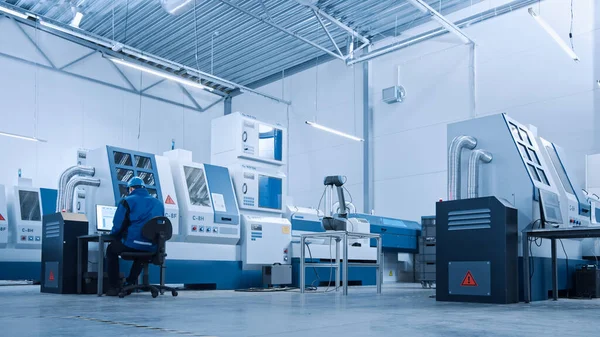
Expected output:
(158, 230)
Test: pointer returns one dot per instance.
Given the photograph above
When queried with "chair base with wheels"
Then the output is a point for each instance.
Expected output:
(154, 289)
(158, 230)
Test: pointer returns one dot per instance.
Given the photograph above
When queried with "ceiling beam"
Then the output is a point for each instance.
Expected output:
(449, 25)
(281, 28)
(336, 22)
(328, 34)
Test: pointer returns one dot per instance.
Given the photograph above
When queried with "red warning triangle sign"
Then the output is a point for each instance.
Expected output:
(469, 281)
(2, 218)
(169, 200)
(51, 276)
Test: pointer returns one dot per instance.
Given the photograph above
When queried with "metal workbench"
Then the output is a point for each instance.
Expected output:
(553, 234)
(340, 236)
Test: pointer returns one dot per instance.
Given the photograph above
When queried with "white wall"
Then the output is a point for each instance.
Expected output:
(518, 68)
(71, 112)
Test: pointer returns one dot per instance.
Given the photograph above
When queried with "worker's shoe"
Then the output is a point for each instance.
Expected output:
(112, 292)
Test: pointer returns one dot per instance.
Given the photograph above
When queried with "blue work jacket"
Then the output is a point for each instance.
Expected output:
(132, 214)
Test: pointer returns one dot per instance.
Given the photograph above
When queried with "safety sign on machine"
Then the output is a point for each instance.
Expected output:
(468, 280)
(169, 200)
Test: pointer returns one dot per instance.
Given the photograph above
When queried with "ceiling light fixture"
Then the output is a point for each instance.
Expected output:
(330, 130)
(12, 135)
(76, 20)
(159, 73)
(554, 35)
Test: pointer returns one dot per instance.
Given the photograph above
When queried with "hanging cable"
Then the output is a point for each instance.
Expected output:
(571, 28)
(196, 37)
(126, 20)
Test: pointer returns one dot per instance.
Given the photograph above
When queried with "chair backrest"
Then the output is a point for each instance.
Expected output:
(158, 230)
(156, 226)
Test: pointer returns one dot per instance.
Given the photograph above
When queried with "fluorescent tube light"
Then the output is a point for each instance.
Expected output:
(339, 133)
(554, 35)
(33, 139)
(15, 13)
(76, 20)
(160, 73)
(451, 27)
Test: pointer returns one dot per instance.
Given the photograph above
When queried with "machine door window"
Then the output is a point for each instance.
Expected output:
(533, 156)
(524, 152)
(515, 131)
(29, 203)
(543, 177)
(124, 175)
(123, 159)
(533, 172)
(197, 187)
(270, 190)
(147, 177)
(143, 162)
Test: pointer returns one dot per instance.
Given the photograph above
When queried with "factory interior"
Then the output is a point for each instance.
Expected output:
(299, 167)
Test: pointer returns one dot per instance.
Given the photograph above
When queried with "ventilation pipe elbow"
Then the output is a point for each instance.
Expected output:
(477, 158)
(72, 185)
(64, 179)
(454, 161)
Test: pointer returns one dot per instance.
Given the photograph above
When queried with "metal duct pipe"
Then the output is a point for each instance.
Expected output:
(454, 161)
(72, 185)
(463, 23)
(64, 179)
(477, 158)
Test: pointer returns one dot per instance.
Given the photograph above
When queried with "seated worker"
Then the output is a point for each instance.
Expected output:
(132, 214)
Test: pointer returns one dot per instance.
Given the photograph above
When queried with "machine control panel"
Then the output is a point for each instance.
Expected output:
(28, 216)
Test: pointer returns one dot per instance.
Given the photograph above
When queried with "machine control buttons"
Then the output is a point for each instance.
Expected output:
(244, 136)
(215, 229)
(208, 229)
(194, 228)
(244, 188)
(202, 228)
(285, 258)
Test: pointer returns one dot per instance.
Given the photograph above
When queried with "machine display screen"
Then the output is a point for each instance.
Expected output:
(562, 174)
(270, 190)
(104, 217)
(196, 184)
(270, 142)
(29, 202)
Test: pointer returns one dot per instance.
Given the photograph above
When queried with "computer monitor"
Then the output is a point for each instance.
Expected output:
(104, 217)
(550, 208)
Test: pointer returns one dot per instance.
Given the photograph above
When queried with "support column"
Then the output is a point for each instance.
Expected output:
(227, 105)
(368, 177)
(596, 84)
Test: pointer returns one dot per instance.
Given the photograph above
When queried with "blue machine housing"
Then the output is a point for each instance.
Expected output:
(396, 235)
(219, 182)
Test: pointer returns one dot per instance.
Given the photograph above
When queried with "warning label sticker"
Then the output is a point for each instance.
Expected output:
(2, 218)
(51, 277)
(468, 280)
(169, 200)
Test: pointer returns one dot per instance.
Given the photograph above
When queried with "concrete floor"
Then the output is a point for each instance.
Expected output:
(401, 310)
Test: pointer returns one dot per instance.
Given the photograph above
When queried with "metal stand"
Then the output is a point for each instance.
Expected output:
(553, 235)
(338, 236)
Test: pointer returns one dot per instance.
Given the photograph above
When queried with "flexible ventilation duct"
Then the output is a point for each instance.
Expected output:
(72, 185)
(477, 158)
(64, 179)
(177, 7)
(454, 161)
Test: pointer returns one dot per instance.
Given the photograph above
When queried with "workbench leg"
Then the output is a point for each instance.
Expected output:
(379, 277)
(302, 276)
(337, 264)
(554, 271)
(100, 265)
(345, 263)
(526, 272)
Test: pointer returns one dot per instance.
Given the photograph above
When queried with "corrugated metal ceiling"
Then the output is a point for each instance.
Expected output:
(245, 49)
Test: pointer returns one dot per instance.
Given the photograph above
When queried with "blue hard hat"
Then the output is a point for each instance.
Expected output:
(135, 181)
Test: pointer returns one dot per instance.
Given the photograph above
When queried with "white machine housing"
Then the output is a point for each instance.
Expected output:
(266, 240)
(239, 136)
(104, 195)
(198, 213)
(25, 215)
(3, 218)
(568, 201)
(259, 188)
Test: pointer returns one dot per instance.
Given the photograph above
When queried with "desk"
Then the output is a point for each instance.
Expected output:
(338, 236)
(82, 258)
(553, 234)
